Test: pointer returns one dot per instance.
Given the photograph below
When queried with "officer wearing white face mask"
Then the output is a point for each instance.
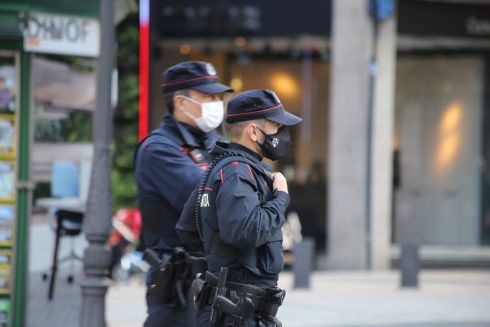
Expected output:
(211, 114)
(168, 165)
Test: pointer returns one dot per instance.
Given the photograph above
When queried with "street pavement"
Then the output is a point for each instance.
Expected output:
(356, 299)
(445, 298)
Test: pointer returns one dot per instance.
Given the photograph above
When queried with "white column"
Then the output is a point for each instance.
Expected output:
(351, 40)
(351, 52)
(383, 119)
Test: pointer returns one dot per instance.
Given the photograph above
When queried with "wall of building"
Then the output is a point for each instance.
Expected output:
(438, 133)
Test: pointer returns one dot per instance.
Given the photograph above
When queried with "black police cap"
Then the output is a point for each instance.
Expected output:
(257, 104)
(197, 75)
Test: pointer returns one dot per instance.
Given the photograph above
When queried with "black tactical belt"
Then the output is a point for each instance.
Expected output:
(238, 287)
(266, 300)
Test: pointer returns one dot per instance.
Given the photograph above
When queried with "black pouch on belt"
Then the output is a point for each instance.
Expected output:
(200, 293)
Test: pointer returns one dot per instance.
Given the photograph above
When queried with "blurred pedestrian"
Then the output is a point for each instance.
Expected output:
(127, 228)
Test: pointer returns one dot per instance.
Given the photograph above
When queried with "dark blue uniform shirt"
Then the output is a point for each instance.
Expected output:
(166, 175)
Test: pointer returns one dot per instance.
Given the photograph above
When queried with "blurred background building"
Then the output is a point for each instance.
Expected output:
(431, 173)
(426, 97)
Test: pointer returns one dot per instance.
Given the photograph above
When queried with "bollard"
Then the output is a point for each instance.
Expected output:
(303, 262)
(409, 265)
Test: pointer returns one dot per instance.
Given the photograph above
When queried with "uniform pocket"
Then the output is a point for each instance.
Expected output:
(271, 258)
(270, 255)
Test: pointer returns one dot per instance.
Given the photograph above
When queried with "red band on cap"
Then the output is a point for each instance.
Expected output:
(253, 112)
(188, 80)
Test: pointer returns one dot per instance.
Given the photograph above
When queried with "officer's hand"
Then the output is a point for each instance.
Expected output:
(280, 183)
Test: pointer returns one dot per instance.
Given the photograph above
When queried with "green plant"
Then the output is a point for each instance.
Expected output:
(126, 114)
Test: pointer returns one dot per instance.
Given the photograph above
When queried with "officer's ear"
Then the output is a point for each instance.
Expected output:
(179, 102)
(253, 132)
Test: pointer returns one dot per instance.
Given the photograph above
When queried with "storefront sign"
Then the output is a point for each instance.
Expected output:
(444, 19)
(476, 26)
(58, 34)
(197, 18)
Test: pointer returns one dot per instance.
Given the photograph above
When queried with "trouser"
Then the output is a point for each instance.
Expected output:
(161, 314)
(202, 318)
(167, 314)
(117, 251)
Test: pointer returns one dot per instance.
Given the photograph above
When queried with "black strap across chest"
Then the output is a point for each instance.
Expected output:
(216, 164)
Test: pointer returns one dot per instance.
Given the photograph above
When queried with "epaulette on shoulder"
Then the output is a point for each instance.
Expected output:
(236, 167)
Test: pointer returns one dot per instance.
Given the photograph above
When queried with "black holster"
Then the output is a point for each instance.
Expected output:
(233, 304)
(174, 275)
(200, 293)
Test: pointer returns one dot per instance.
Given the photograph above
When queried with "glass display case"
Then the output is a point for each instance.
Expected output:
(9, 99)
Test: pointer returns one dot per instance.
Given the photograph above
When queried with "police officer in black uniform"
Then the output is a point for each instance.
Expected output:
(169, 164)
(238, 211)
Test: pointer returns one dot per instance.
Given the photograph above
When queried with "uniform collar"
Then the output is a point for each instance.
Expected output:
(240, 148)
(191, 136)
(221, 147)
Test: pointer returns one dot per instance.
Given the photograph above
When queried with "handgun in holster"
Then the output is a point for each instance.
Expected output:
(223, 309)
(172, 276)
(161, 285)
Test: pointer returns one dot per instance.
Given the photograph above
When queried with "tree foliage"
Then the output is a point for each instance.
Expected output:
(77, 127)
(126, 114)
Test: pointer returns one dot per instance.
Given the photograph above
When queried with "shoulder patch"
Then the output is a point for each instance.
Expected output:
(237, 168)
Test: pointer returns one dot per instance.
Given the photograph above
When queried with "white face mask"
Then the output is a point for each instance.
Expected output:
(212, 115)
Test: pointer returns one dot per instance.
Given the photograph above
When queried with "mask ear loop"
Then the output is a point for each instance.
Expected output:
(263, 133)
(191, 100)
(186, 112)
